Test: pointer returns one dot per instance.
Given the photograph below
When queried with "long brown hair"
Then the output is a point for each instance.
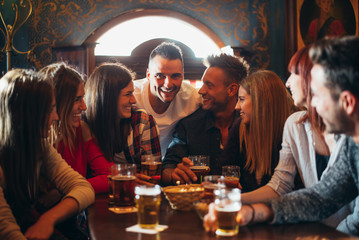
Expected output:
(25, 106)
(301, 65)
(66, 81)
(102, 90)
(270, 109)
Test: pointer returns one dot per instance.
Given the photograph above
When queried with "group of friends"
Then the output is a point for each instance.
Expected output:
(59, 136)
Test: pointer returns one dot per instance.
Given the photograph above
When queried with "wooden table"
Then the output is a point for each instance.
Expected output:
(106, 225)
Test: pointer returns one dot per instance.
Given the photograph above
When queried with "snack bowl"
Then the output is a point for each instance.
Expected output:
(182, 197)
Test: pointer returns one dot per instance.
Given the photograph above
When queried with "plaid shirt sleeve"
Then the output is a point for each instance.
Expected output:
(145, 140)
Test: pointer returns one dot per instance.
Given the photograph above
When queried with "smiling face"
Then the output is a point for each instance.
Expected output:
(214, 92)
(125, 101)
(244, 105)
(334, 117)
(78, 107)
(294, 83)
(165, 78)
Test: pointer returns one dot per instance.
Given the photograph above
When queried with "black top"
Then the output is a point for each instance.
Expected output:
(322, 163)
(196, 134)
(233, 156)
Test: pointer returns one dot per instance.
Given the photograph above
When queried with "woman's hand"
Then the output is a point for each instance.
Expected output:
(244, 217)
(248, 214)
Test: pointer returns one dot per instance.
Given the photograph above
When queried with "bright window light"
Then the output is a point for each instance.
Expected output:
(122, 39)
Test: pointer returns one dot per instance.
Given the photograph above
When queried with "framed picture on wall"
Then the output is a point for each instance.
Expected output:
(319, 18)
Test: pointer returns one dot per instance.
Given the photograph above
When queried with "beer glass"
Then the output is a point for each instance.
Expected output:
(200, 166)
(148, 200)
(227, 204)
(231, 174)
(211, 183)
(151, 166)
(123, 178)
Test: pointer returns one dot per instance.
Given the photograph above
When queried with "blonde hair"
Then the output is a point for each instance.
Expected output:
(270, 109)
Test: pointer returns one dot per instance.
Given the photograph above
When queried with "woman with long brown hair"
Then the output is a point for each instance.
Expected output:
(73, 137)
(255, 140)
(123, 132)
(27, 110)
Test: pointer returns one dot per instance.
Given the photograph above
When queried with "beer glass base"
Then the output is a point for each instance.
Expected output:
(227, 233)
(148, 226)
(120, 210)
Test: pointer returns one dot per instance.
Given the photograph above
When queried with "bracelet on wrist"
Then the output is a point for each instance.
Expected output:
(253, 214)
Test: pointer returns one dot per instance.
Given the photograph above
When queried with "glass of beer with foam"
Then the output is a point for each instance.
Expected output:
(227, 204)
(231, 174)
(148, 200)
(200, 166)
(151, 166)
(123, 179)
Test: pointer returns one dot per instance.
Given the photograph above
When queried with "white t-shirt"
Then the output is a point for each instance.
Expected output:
(186, 102)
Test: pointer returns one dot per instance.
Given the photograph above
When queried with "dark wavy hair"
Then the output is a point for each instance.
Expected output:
(102, 90)
(167, 50)
(236, 68)
(25, 106)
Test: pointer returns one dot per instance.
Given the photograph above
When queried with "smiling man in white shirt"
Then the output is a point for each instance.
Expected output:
(163, 94)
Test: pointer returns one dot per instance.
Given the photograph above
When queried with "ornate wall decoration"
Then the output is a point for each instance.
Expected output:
(240, 23)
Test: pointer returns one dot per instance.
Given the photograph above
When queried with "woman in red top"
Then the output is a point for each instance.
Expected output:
(74, 141)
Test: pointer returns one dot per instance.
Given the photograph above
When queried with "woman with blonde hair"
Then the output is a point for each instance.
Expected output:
(255, 139)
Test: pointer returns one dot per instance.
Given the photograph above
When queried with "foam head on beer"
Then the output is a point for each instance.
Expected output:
(228, 200)
(148, 190)
(227, 205)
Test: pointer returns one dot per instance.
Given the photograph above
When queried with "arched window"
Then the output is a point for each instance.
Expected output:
(122, 39)
(130, 37)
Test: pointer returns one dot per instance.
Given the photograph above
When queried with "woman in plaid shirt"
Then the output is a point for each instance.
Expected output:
(123, 132)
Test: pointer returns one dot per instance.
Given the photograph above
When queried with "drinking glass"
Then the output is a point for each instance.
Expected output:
(151, 166)
(200, 166)
(148, 200)
(211, 183)
(123, 178)
(231, 175)
(227, 204)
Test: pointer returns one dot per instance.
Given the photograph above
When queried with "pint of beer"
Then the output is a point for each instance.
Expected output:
(212, 183)
(200, 166)
(231, 174)
(151, 166)
(123, 178)
(227, 205)
(148, 200)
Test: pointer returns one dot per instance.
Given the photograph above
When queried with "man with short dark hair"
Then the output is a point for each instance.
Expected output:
(205, 131)
(335, 90)
(163, 94)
